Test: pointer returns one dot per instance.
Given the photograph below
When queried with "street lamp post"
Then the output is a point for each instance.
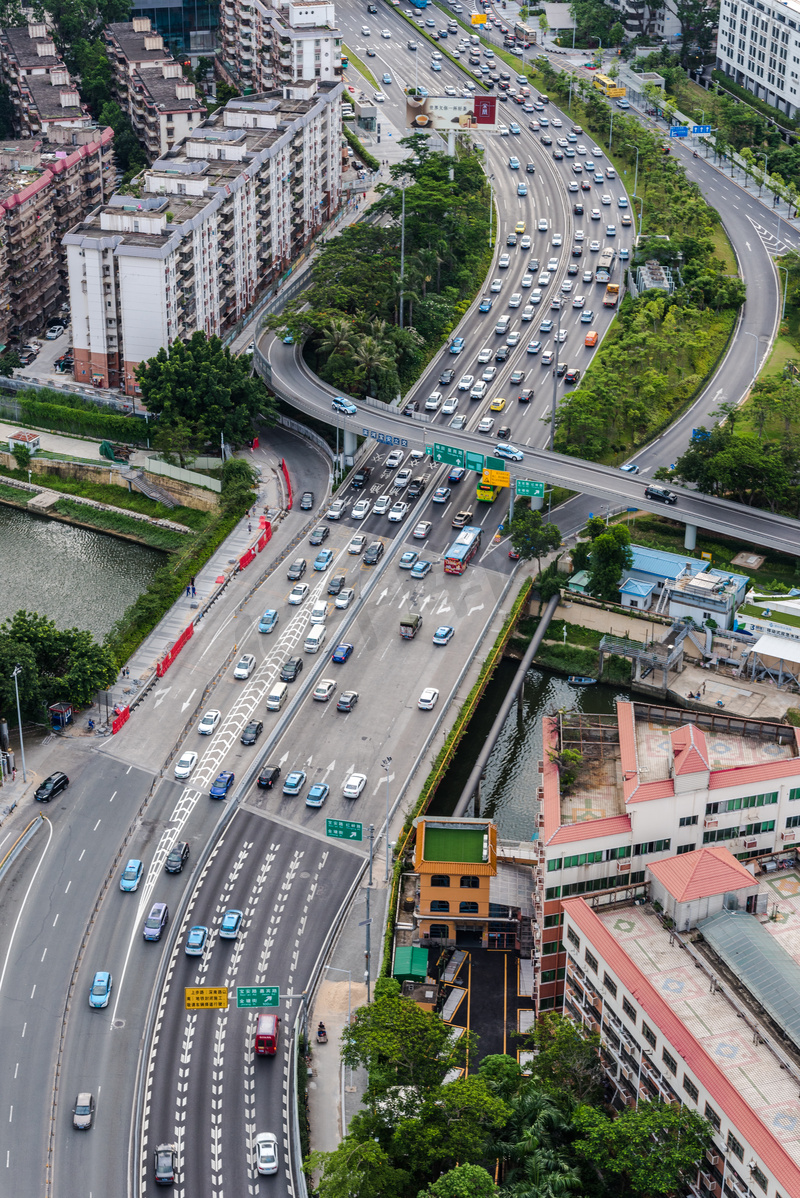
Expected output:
(491, 208)
(14, 674)
(385, 764)
(761, 184)
(611, 130)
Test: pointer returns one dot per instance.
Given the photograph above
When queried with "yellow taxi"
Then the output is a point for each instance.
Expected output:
(519, 227)
(497, 405)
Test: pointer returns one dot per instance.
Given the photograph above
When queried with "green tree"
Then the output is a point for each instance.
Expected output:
(530, 536)
(616, 35)
(624, 1147)
(359, 1168)
(22, 456)
(69, 664)
(90, 61)
(567, 1061)
(400, 1044)
(465, 1181)
(199, 386)
(611, 554)
(15, 653)
(10, 361)
(225, 93)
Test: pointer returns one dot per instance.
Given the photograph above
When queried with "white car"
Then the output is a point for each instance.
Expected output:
(403, 478)
(485, 355)
(515, 300)
(185, 765)
(544, 279)
(594, 246)
(552, 264)
(394, 459)
(298, 593)
(354, 786)
(605, 199)
(450, 406)
(358, 542)
(385, 33)
(497, 285)
(566, 286)
(578, 301)
(486, 425)
(381, 507)
(579, 235)
(246, 665)
(489, 374)
(365, 30)
(209, 722)
(466, 382)
(361, 509)
(344, 598)
(378, 97)
(557, 240)
(324, 689)
(542, 225)
(398, 511)
(428, 698)
(336, 510)
(265, 1146)
(433, 401)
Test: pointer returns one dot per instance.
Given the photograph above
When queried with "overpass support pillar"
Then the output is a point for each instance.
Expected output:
(350, 443)
(690, 537)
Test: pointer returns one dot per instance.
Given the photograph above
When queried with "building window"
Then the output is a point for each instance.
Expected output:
(721, 834)
(551, 947)
(762, 800)
(735, 1147)
(764, 825)
(651, 846)
(573, 938)
(629, 1010)
(712, 1116)
(546, 1004)
(648, 1034)
(553, 921)
(468, 908)
(591, 960)
(554, 865)
(439, 931)
(758, 1177)
(440, 880)
(440, 905)
(610, 984)
(687, 821)
(690, 1088)
(794, 793)
(583, 859)
(793, 821)
(685, 848)
(469, 882)
(669, 1061)
(552, 892)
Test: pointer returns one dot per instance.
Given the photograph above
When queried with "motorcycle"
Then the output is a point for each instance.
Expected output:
(322, 1035)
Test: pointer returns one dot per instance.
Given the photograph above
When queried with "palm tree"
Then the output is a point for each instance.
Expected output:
(370, 356)
(339, 336)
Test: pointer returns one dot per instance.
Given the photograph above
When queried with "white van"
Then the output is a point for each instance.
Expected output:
(316, 638)
(319, 612)
(277, 696)
(473, 37)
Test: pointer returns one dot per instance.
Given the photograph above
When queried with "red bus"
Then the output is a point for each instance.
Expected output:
(462, 551)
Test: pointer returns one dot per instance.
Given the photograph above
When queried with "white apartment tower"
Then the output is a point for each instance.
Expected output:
(758, 46)
(266, 45)
(205, 231)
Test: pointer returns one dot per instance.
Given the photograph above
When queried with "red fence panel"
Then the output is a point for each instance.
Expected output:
(171, 654)
(285, 470)
(264, 539)
(122, 717)
(246, 558)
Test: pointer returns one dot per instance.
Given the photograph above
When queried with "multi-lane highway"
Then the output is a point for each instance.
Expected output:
(201, 1086)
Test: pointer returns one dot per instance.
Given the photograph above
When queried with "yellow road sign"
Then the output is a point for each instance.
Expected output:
(205, 998)
(496, 478)
(478, 18)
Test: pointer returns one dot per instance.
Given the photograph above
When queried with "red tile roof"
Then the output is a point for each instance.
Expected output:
(702, 873)
(689, 750)
(591, 829)
(551, 802)
(752, 775)
(719, 1086)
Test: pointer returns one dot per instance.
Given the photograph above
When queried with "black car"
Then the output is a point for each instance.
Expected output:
(572, 269)
(561, 369)
(374, 553)
(546, 139)
(165, 1164)
(336, 583)
(577, 209)
(526, 395)
(297, 569)
(502, 353)
(176, 858)
(252, 732)
(503, 97)
(533, 266)
(319, 535)
(447, 376)
(371, 8)
(51, 787)
(269, 776)
(660, 493)
(291, 669)
(347, 701)
(416, 487)
(572, 376)
(530, 168)
(361, 477)
(558, 155)
(577, 251)
(411, 407)
(306, 501)
(504, 432)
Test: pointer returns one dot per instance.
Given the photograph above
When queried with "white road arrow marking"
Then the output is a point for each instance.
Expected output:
(162, 695)
(382, 595)
(328, 770)
(480, 607)
(188, 701)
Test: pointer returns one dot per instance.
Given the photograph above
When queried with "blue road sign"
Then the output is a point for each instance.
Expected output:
(701, 128)
(679, 131)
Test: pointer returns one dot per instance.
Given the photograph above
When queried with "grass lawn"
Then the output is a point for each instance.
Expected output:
(361, 67)
(785, 348)
(724, 250)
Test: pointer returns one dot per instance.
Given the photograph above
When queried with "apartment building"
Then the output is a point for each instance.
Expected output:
(150, 87)
(264, 45)
(42, 93)
(649, 20)
(758, 46)
(652, 782)
(204, 232)
(189, 25)
(694, 995)
(46, 185)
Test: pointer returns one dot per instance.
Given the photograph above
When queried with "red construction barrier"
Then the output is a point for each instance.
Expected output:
(123, 714)
(264, 539)
(171, 654)
(285, 470)
(246, 558)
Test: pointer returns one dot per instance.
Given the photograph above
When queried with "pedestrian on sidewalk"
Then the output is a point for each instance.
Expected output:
(194, 592)
(14, 774)
(249, 527)
(188, 589)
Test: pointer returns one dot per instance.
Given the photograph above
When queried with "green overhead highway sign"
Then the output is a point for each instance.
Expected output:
(495, 464)
(343, 829)
(428, 449)
(448, 454)
(258, 996)
(531, 488)
(474, 461)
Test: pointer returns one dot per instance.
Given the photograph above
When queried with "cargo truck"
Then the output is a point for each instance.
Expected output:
(611, 296)
(410, 625)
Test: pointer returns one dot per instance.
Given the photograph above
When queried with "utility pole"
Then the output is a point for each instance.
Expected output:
(14, 674)
(387, 761)
(402, 253)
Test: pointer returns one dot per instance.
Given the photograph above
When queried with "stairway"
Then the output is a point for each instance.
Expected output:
(151, 490)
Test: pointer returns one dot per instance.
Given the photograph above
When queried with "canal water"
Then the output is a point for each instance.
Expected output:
(76, 577)
(508, 794)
